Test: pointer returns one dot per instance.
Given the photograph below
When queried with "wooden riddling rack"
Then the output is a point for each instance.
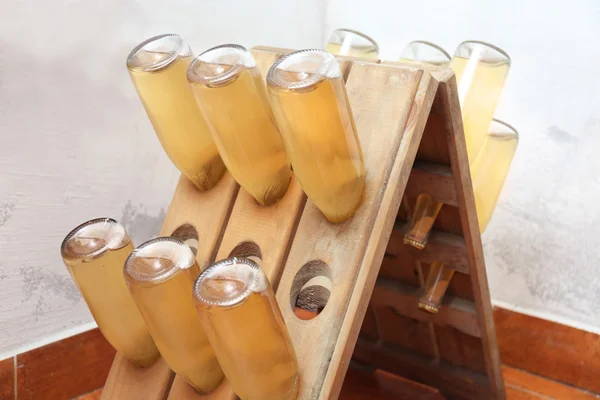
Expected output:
(401, 112)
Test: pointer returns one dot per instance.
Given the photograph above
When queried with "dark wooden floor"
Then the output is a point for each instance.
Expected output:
(520, 385)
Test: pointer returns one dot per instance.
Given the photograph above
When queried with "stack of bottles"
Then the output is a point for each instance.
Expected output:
(481, 70)
(214, 114)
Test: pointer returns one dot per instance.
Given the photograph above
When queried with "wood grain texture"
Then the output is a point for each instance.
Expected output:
(64, 369)
(127, 381)
(466, 200)
(207, 212)
(557, 351)
(447, 248)
(528, 382)
(7, 379)
(381, 99)
(271, 228)
(434, 179)
(452, 381)
(381, 385)
(454, 312)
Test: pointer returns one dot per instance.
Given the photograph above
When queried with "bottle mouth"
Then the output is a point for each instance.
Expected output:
(229, 282)
(157, 53)
(359, 39)
(483, 51)
(220, 65)
(158, 259)
(303, 69)
(424, 51)
(93, 238)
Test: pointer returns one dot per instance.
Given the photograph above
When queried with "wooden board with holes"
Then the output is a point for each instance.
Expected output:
(331, 270)
(454, 350)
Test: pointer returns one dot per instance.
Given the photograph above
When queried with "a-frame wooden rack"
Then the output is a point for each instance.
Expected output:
(409, 124)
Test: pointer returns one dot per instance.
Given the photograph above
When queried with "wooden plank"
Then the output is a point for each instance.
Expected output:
(401, 269)
(550, 349)
(270, 228)
(360, 384)
(546, 388)
(59, 370)
(7, 379)
(207, 214)
(409, 390)
(466, 201)
(457, 313)
(452, 381)
(434, 179)
(381, 99)
(402, 331)
(460, 348)
(127, 381)
(445, 247)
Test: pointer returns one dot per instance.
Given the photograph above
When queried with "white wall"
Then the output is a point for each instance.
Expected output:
(542, 247)
(75, 142)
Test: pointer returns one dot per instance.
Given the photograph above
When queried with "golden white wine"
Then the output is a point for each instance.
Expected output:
(311, 107)
(239, 312)
(231, 94)
(346, 42)
(94, 253)
(158, 70)
(160, 274)
(490, 168)
(480, 78)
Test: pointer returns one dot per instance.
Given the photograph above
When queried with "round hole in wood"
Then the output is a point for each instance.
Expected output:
(189, 234)
(248, 249)
(311, 289)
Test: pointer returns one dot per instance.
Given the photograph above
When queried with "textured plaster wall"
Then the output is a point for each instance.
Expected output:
(75, 142)
(542, 246)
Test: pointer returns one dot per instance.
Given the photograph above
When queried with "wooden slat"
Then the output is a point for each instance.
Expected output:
(271, 228)
(434, 179)
(453, 381)
(208, 213)
(466, 202)
(126, 381)
(454, 312)
(402, 331)
(361, 384)
(459, 348)
(447, 248)
(550, 349)
(546, 388)
(381, 99)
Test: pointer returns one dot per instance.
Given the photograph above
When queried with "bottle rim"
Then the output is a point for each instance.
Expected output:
(432, 45)
(497, 51)
(243, 60)
(75, 231)
(162, 275)
(172, 56)
(252, 287)
(360, 34)
(328, 69)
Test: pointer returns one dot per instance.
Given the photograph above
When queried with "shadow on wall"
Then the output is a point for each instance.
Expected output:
(140, 225)
(545, 233)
